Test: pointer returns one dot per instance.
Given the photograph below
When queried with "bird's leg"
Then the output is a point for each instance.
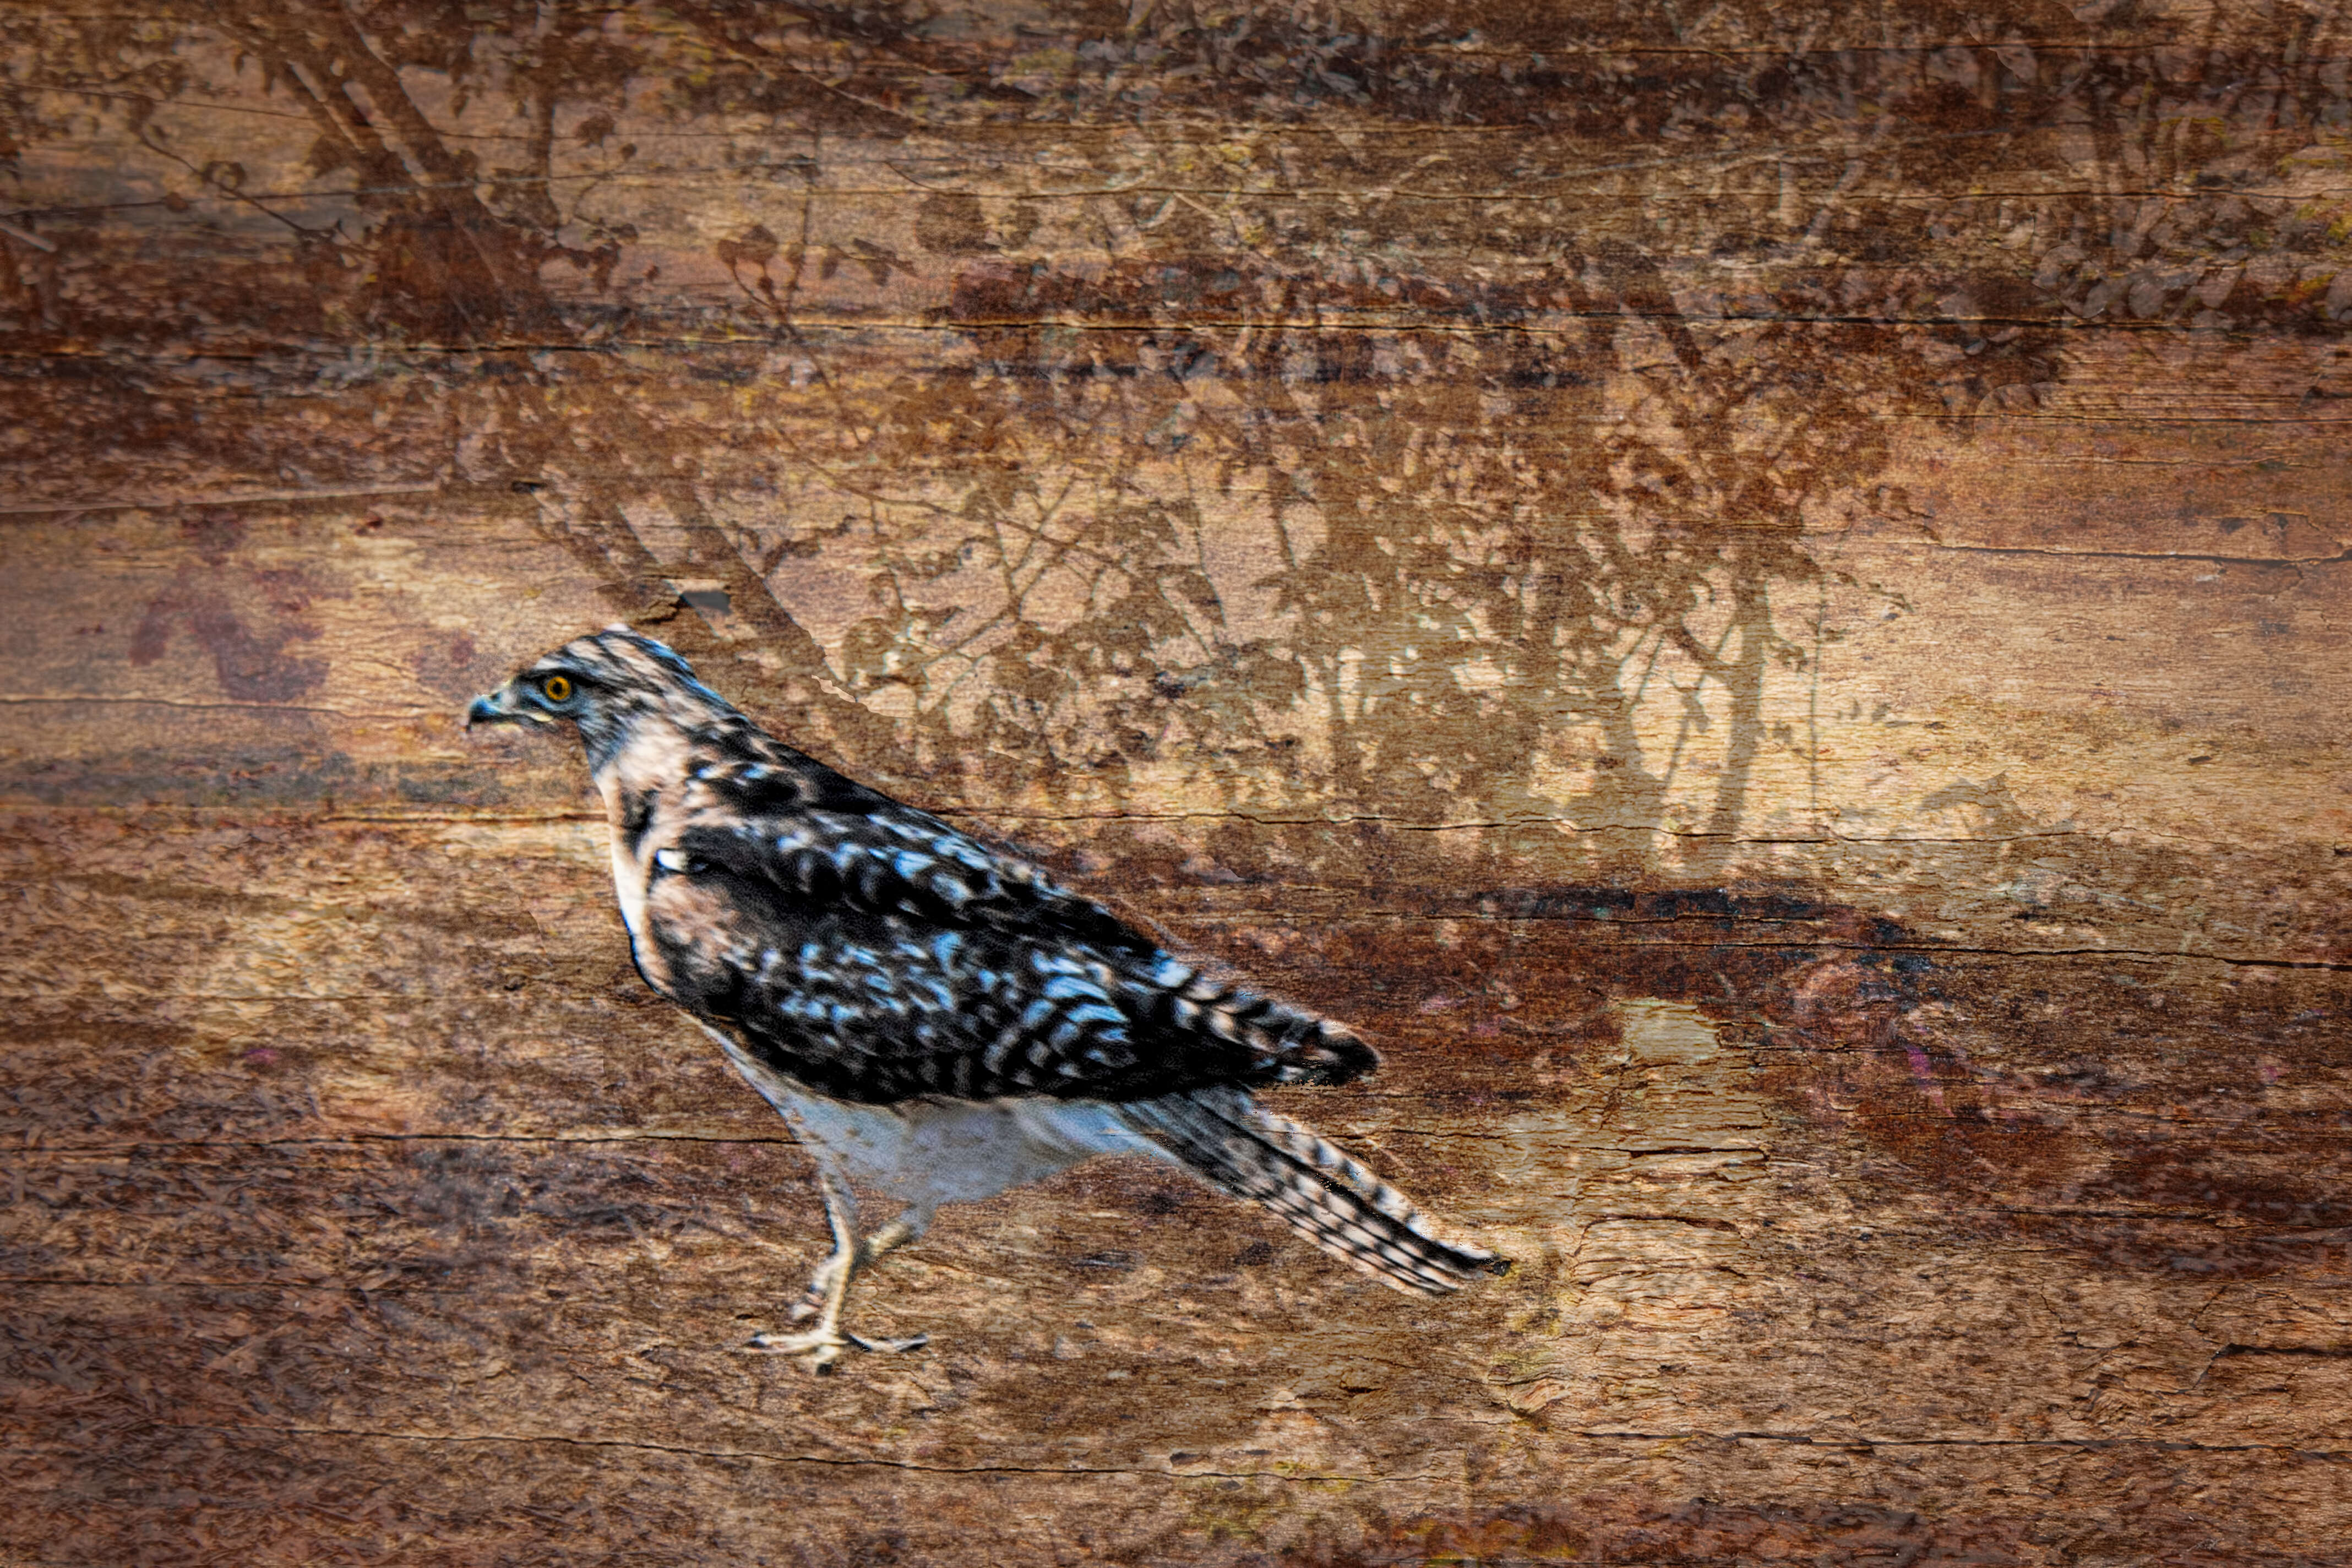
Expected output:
(828, 1287)
(895, 1235)
(908, 1226)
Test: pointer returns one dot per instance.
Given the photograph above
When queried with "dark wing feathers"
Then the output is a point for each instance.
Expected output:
(901, 861)
(877, 954)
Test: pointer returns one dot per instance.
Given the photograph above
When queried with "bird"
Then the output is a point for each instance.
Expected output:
(936, 1018)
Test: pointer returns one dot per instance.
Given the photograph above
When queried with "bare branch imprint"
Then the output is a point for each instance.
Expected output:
(1482, 489)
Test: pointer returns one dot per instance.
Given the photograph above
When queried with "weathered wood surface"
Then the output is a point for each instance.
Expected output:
(1759, 597)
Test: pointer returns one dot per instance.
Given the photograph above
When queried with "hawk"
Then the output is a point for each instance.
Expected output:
(937, 1020)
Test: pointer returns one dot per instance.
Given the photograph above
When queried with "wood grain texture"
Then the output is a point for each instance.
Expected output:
(1759, 597)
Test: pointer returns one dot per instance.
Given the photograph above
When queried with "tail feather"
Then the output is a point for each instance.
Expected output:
(1284, 1044)
(1326, 1194)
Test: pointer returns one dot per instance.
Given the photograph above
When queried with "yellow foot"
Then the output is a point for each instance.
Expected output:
(820, 1347)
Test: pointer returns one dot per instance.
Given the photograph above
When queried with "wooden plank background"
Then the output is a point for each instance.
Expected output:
(1758, 593)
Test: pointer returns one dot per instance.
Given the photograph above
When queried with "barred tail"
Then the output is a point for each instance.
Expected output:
(1239, 1147)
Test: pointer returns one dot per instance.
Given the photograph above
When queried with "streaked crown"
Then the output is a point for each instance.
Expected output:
(608, 683)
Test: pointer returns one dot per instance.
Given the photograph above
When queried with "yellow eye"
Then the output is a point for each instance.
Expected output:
(557, 687)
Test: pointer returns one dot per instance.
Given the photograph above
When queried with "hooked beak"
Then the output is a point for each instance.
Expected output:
(495, 707)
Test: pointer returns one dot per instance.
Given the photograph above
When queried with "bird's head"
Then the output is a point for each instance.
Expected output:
(613, 684)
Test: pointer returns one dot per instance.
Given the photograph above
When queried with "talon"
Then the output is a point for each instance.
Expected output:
(820, 1347)
(823, 1347)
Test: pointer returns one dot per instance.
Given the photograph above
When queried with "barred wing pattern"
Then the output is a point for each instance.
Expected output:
(878, 954)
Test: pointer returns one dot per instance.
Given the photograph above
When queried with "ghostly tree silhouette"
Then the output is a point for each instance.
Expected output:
(1511, 457)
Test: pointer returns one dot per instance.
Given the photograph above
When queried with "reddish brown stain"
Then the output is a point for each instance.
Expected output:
(247, 618)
